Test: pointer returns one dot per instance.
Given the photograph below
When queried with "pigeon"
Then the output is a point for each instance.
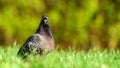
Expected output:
(40, 43)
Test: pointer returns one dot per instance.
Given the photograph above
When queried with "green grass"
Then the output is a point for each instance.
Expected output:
(61, 59)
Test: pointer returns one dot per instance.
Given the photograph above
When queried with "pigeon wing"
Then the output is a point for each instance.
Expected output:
(32, 44)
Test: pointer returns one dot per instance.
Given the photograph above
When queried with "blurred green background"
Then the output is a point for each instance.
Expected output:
(79, 24)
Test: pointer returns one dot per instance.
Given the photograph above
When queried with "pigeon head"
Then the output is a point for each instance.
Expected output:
(44, 17)
(43, 24)
(44, 21)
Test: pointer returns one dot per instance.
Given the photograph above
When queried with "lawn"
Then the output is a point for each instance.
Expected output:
(61, 59)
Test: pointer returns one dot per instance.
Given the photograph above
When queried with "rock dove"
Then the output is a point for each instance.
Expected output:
(41, 42)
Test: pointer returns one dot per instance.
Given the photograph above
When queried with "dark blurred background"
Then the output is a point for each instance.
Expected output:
(79, 24)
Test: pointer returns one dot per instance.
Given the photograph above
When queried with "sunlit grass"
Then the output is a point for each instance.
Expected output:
(61, 59)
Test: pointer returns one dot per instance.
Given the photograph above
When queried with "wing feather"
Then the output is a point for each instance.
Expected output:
(32, 44)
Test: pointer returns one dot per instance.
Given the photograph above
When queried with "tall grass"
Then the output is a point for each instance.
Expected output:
(61, 59)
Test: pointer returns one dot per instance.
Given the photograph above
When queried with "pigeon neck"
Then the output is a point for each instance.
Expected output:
(40, 27)
(44, 30)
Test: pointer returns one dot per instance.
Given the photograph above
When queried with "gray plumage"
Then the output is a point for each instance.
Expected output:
(39, 43)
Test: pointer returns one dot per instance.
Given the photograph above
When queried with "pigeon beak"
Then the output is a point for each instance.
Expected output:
(45, 21)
